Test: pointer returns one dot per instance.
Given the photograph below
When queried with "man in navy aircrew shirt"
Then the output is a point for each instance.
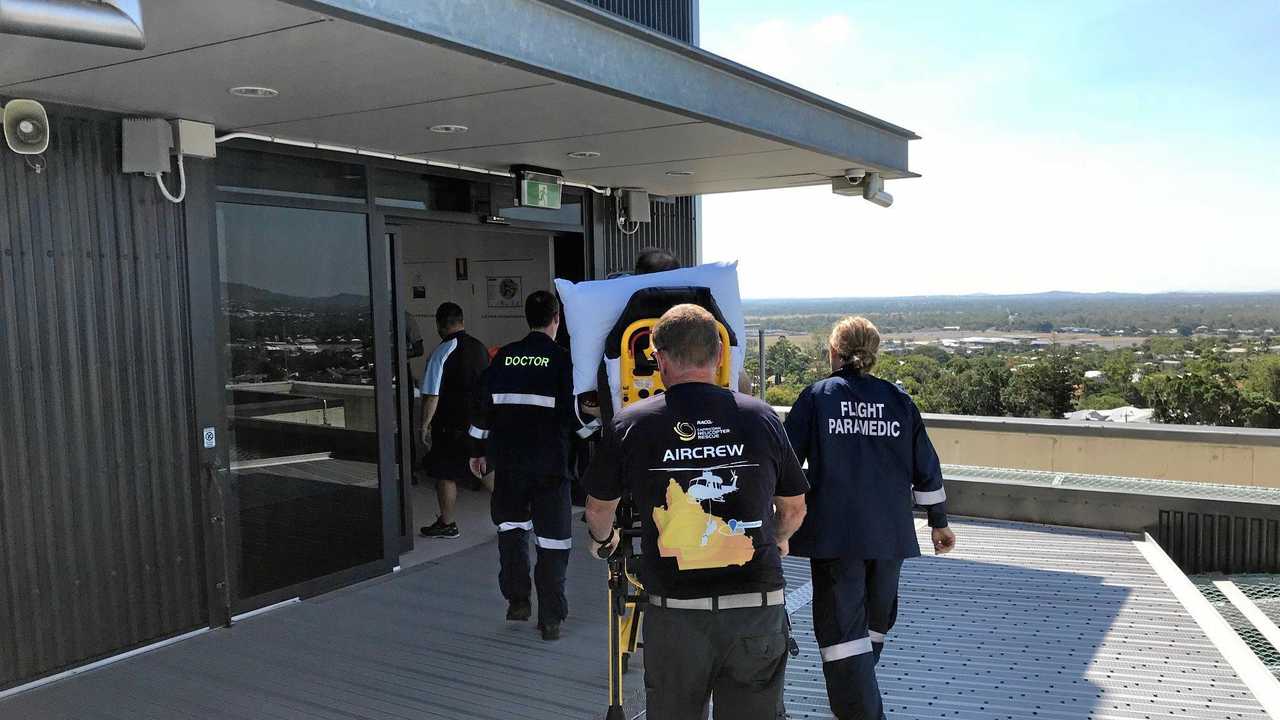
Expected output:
(870, 463)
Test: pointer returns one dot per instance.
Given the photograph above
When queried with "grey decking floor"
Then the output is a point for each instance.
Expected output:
(429, 643)
(1021, 622)
(1024, 621)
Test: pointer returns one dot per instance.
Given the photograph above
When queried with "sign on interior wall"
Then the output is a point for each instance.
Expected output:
(505, 291)
(460, 268)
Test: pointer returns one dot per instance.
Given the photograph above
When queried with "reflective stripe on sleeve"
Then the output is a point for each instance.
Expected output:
(832, 653)
(552, 544)
(876, 637)
(477, 433)
(508, 526)
(546, 401)
(933, 497)
(586, 431)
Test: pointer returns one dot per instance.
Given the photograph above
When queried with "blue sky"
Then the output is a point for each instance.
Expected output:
(1086, 146)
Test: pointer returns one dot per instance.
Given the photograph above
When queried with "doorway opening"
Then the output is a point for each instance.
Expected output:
(488, 271)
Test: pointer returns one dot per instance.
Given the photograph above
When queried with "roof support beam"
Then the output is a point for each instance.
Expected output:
(583, 46)
(115, 23)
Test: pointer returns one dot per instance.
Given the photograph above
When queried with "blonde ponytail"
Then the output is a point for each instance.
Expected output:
(856, 342)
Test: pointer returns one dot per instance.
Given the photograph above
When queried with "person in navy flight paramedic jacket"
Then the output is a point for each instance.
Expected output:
(870, 463)
(522, 424)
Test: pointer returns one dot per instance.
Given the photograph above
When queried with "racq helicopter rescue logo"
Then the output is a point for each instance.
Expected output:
(699, 430)
(685, 431)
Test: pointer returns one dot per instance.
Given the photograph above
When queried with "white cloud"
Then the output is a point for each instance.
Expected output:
(1000, 208)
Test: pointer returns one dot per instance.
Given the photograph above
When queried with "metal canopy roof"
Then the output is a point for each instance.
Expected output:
(533, 80)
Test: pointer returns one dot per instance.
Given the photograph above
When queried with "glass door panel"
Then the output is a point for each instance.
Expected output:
(300, 394)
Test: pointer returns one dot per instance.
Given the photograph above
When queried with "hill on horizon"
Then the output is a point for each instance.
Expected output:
(1037, 312)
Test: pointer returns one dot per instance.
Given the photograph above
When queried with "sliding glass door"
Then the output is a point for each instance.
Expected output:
(301, 397)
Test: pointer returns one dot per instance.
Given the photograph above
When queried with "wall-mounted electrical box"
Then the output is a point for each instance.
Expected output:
(634, 205)
(194, 139)
(145, 145)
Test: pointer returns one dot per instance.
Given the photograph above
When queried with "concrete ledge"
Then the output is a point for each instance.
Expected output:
(1138, 431)
(1189, 453)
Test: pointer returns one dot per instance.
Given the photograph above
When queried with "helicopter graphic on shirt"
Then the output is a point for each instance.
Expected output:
(709, 487)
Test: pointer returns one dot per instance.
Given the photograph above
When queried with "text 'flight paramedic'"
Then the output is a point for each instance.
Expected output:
(521, 429)
(706, 467)
(870, 463)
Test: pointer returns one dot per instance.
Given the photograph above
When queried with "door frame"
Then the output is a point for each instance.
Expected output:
(216, 505)
(220, 507)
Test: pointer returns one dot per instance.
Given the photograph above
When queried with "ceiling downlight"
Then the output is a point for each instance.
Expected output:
(254, 91)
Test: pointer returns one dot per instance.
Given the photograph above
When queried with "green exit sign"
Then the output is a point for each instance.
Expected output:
(539, 191)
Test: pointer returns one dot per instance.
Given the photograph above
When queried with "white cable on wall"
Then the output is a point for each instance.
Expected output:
(605, 191)
(182, 183)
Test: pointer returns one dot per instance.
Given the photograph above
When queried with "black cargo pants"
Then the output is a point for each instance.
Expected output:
(737, 656)
(525, 502)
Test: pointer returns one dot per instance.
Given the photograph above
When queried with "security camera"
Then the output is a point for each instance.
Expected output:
(855, 175)
(26, 127)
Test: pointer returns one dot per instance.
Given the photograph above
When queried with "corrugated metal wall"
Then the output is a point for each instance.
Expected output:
(1205, 542)
(98, 543)
(676, 18)
(675, 225)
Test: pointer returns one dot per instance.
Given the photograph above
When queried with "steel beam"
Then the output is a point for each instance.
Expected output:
(114, 23)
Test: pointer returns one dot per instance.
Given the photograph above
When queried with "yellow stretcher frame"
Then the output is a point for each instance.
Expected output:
(635, 388)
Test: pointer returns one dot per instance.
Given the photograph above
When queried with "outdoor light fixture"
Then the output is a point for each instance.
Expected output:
(448, 129)
(680, 173)
(254, 91)
(584, 154)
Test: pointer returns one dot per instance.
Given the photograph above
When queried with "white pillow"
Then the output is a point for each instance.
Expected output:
(592, 308)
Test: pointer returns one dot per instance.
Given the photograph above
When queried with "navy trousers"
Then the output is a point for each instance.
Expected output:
(524, 503)
(855, 603)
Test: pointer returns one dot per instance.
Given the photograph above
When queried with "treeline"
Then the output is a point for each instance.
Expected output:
(1045, 312)
(1206, 385)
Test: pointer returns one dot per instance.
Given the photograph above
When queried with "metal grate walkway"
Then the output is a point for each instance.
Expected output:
(1116, 484)
(1024, 622)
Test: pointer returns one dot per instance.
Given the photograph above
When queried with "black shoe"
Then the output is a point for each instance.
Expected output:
(439, 531)
(519, 610)
(550, 632)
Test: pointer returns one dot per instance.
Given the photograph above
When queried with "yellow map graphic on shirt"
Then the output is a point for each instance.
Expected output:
(697, 540)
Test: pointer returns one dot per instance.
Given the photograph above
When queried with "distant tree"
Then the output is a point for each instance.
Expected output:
(1104, 401)
(975, 388)
(786, 361)
(1185, 330)
(1264, 377)
(940, 356)
(1118, 370)
(919, 375)
(782, 395)
(1045, 389)
(751, 367)
(819, 365)
(1206, 394)
(1163, 345)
